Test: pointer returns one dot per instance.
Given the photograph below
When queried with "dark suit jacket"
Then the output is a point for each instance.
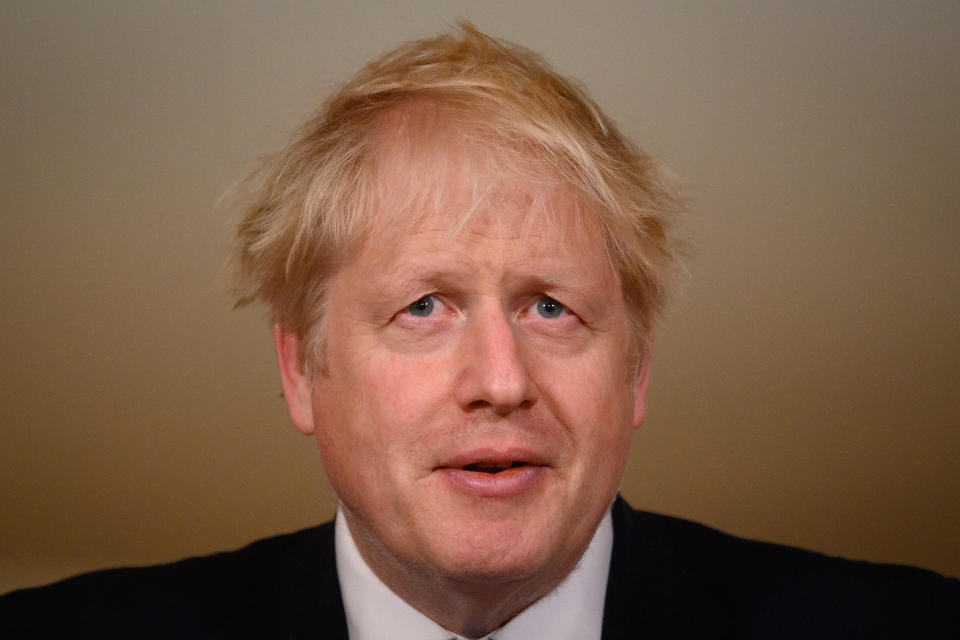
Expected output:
(669, 578)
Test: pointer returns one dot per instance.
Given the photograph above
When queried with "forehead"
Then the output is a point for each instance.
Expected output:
(436, 170)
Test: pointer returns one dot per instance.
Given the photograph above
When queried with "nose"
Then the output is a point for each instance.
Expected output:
(494, 372)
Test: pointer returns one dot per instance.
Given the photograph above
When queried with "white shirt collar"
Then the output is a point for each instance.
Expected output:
(572, 611)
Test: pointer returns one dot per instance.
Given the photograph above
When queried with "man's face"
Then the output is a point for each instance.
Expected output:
(477, 409)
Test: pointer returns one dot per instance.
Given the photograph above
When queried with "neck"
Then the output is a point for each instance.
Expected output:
(470, 606)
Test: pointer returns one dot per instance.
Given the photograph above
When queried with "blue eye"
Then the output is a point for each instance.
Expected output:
(422, 307)
(547, 307)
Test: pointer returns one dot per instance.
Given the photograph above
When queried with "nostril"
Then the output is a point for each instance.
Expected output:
(502, 409)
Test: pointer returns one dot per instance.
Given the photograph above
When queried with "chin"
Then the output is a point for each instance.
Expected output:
(499, 554)
(485, 570)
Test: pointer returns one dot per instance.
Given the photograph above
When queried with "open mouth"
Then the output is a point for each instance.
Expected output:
(492, 467)
(495, 474)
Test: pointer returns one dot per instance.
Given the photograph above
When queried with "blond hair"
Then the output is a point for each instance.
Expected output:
(308, 205)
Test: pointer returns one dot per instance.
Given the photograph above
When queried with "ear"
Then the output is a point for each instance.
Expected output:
(642, 383)
(296, 385)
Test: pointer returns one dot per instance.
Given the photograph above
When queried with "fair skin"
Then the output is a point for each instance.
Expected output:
(477, 406)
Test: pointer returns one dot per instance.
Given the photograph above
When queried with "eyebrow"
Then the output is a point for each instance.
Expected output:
(442, 268)
(419, 274)
(410, 278)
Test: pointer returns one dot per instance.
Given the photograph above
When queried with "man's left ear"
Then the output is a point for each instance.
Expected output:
(642, 383)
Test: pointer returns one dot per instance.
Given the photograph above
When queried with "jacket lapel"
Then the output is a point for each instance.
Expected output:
(650, 593)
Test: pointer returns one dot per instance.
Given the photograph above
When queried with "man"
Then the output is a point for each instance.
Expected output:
(464, 261)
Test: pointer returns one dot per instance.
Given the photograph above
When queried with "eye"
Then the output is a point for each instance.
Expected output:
(422, 307)
(549, 308)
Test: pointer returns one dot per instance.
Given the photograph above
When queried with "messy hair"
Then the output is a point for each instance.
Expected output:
(307, 206)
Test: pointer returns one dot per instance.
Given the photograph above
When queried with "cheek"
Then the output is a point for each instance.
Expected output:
(375, 410)
(591, 399)
(401, 392)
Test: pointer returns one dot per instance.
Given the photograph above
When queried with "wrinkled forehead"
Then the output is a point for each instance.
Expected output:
(434, 167)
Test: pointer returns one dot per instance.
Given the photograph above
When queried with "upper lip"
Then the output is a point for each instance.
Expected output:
(494, 455)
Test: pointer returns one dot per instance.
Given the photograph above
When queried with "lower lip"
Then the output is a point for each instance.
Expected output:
(509, 482)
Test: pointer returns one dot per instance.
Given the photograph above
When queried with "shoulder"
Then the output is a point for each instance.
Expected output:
(206, 596)
(707, 578)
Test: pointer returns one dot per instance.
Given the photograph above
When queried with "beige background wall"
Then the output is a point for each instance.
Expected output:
(805, 387)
